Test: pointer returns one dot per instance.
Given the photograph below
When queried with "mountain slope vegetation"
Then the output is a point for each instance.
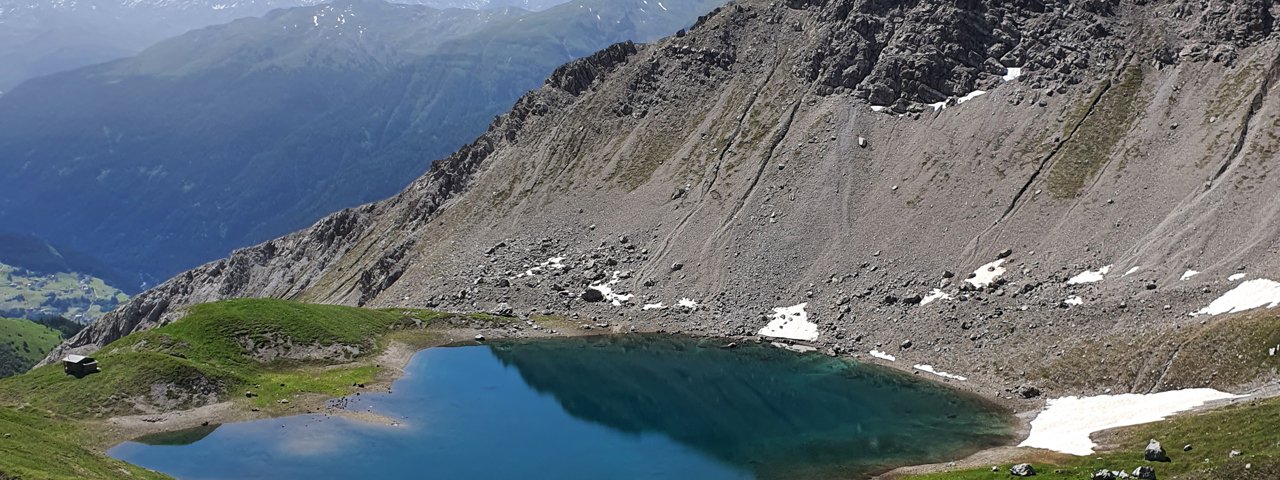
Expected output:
(23, 343)
(231, 135)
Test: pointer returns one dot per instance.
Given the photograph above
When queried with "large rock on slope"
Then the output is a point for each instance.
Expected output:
(732, 149)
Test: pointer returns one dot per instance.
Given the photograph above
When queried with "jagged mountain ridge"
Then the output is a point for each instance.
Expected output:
(746, 170)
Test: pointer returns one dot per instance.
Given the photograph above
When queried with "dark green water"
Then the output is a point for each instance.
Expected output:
(625, 407)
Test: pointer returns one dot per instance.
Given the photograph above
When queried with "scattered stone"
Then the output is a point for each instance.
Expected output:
(948, 274)
(283, 401)
(1186, 448)
(479, 337)
(675, 267)
(502, 283)
(592, 295)
(250, 394)
(503, 310)
(1103, 474)
(1028, 392)
(1022, 470)
(1155, 452)
(1234, 453)
(913, 299)
(862, 142)
(1005, 253)
(906, 344)
(1145, 473)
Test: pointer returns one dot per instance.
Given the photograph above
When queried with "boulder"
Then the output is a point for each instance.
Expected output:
(1022, 470)
(502, 310)
(592, 295)
(1103, 474)
(1155, 452)
(1028, 392)
(1145, 473)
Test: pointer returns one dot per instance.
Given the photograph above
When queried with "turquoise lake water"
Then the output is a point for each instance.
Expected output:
(624, 407)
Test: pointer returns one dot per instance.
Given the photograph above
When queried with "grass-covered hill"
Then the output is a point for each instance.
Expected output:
(23, 343)
(52, 424)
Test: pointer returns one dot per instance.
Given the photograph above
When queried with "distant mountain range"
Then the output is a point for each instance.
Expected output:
(231, 135)
(39, 37)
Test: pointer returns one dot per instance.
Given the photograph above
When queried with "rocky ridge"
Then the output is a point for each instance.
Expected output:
(858, 157)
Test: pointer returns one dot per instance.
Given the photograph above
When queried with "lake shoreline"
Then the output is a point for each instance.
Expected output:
(395, 357)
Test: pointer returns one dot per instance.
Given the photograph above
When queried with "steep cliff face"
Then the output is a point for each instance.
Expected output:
(848, 155)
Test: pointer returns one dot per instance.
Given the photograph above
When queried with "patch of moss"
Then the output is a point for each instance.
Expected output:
(1100, 128)
(1226, 352)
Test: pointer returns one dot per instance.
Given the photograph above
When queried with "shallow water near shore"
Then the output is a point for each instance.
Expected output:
(617, 407)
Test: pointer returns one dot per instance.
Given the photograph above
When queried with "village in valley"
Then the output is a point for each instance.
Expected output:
(75, 296)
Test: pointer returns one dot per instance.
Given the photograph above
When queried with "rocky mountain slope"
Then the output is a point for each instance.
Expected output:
(846, 164)
(231, 135)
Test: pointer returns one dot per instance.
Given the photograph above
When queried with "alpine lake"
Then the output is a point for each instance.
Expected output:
(606, 407)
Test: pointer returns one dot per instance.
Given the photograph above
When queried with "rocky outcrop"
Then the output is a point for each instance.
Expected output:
(746, 151)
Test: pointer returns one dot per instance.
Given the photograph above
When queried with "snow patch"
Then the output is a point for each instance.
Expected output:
(791, 322)
(1131, 271)
(1012, 73)
(970, 96)
(688, 303)
(1249, 295)
(930, 369)
(553, 263)
(878, 108)
(1066, 423)
(1236, 277)
(1189, 274)
(654, 306)
(795, 348)
(617, 299)
(883, 356)
(986, 274)
(936, 294)
(1090, 276)
(1074, 300)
